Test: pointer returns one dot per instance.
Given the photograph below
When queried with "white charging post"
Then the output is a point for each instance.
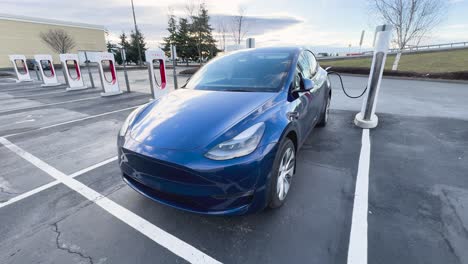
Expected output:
(109, 86)
(22, 72)
(73, 76)
(153, 57)
(367, 118)
(48, 80)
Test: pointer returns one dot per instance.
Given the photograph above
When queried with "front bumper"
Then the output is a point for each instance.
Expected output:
(189, 181)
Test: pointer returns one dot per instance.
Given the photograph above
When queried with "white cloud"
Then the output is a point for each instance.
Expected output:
(272, 22)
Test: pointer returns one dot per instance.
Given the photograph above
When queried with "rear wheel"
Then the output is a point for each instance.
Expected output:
(324, 116)
(283, 172)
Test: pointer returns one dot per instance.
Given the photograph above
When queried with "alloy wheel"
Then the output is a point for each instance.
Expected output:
(285, 173)
(327, 110)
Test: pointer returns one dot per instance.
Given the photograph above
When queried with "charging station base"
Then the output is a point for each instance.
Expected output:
(111, 93)
(77, 88)
(50, 84)
(26, 80)
(360, 122)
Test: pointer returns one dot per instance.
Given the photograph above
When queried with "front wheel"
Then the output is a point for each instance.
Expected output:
(282, 174)
(324, 116)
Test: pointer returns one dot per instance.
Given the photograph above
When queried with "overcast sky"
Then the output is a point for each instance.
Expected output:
(317, 23)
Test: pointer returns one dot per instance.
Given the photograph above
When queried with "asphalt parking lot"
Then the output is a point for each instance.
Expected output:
(62, 199)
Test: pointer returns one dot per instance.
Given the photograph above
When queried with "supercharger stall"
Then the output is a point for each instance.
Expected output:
(47, 79)
(153, 57)
(73, 75)
(22, 72)
(110, 86)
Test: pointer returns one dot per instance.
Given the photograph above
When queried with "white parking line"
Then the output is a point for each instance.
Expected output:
(73, 121)
(51, 104)
(27, 96)
(357, 250)
(170, 242)
(53, 183)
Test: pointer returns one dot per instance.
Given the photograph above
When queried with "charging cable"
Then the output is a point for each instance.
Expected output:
(343, 88)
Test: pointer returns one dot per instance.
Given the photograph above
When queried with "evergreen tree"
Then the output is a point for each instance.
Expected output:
(136, 39)
(192, 36)
(184, 42)
(123, 43)
(171, 39)
(110, 46)
(201, 31)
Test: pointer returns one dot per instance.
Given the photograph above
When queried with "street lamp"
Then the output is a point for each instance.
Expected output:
(137, 34)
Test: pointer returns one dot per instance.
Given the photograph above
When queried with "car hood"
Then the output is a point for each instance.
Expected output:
(188, 119)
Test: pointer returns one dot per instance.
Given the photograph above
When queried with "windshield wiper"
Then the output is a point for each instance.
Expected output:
(237, 90)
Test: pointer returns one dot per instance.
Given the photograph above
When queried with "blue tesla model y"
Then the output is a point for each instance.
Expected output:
(226, 143)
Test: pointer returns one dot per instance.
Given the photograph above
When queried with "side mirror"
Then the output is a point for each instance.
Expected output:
(308, 84)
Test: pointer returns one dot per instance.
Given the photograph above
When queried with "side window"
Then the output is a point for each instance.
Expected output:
(296, 84)
(303, 63)
(312, 63)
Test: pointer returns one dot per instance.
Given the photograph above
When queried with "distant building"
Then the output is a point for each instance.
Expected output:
(20, 35)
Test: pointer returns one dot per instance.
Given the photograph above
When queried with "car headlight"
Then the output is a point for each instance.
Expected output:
(129, 120)
(241, 145)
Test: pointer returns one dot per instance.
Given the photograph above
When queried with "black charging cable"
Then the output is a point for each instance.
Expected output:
(156, 80)
(343, 88)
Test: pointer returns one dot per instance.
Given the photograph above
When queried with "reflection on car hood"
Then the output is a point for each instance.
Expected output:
(187, 119)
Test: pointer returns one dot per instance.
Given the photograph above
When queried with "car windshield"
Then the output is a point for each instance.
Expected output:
(250, 71)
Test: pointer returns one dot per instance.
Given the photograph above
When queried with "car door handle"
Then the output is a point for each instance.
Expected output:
(293, 115)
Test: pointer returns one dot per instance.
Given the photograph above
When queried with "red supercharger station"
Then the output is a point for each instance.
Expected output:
(21, 68)
(44, 61)
(73, 75)
(153, 57)
(110, 86)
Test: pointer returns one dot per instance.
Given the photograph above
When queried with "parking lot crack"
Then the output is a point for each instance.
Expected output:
(2, 190)
(71, 250)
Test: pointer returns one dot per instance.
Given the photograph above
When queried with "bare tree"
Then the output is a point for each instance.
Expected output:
(239, 26)
(58, 40)
(412, 19)
(222, 32)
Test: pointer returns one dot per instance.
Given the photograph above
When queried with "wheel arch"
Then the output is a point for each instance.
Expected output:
(291, 133)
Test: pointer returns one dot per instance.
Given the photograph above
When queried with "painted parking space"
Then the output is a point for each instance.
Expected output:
(21, 121)
(419, 191)
(319, 207)
(75, 146)
(58, 225)
(17, 176)
(322, 178)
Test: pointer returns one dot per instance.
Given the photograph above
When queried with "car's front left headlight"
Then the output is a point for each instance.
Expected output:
(241, 145)
(129, 120)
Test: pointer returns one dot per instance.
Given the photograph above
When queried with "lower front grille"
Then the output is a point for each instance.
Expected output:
(193, 203)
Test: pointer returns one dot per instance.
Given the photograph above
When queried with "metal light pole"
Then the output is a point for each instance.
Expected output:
(89, 69)
(174, 63)
(137, 35)
(123, 55)
(362, 39)
(36, 69)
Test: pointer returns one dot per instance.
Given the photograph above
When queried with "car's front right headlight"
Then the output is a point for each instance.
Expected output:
(241, 145)
(129, 120)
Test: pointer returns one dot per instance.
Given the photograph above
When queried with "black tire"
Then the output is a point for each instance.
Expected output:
(275, 200)
(325, 115)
